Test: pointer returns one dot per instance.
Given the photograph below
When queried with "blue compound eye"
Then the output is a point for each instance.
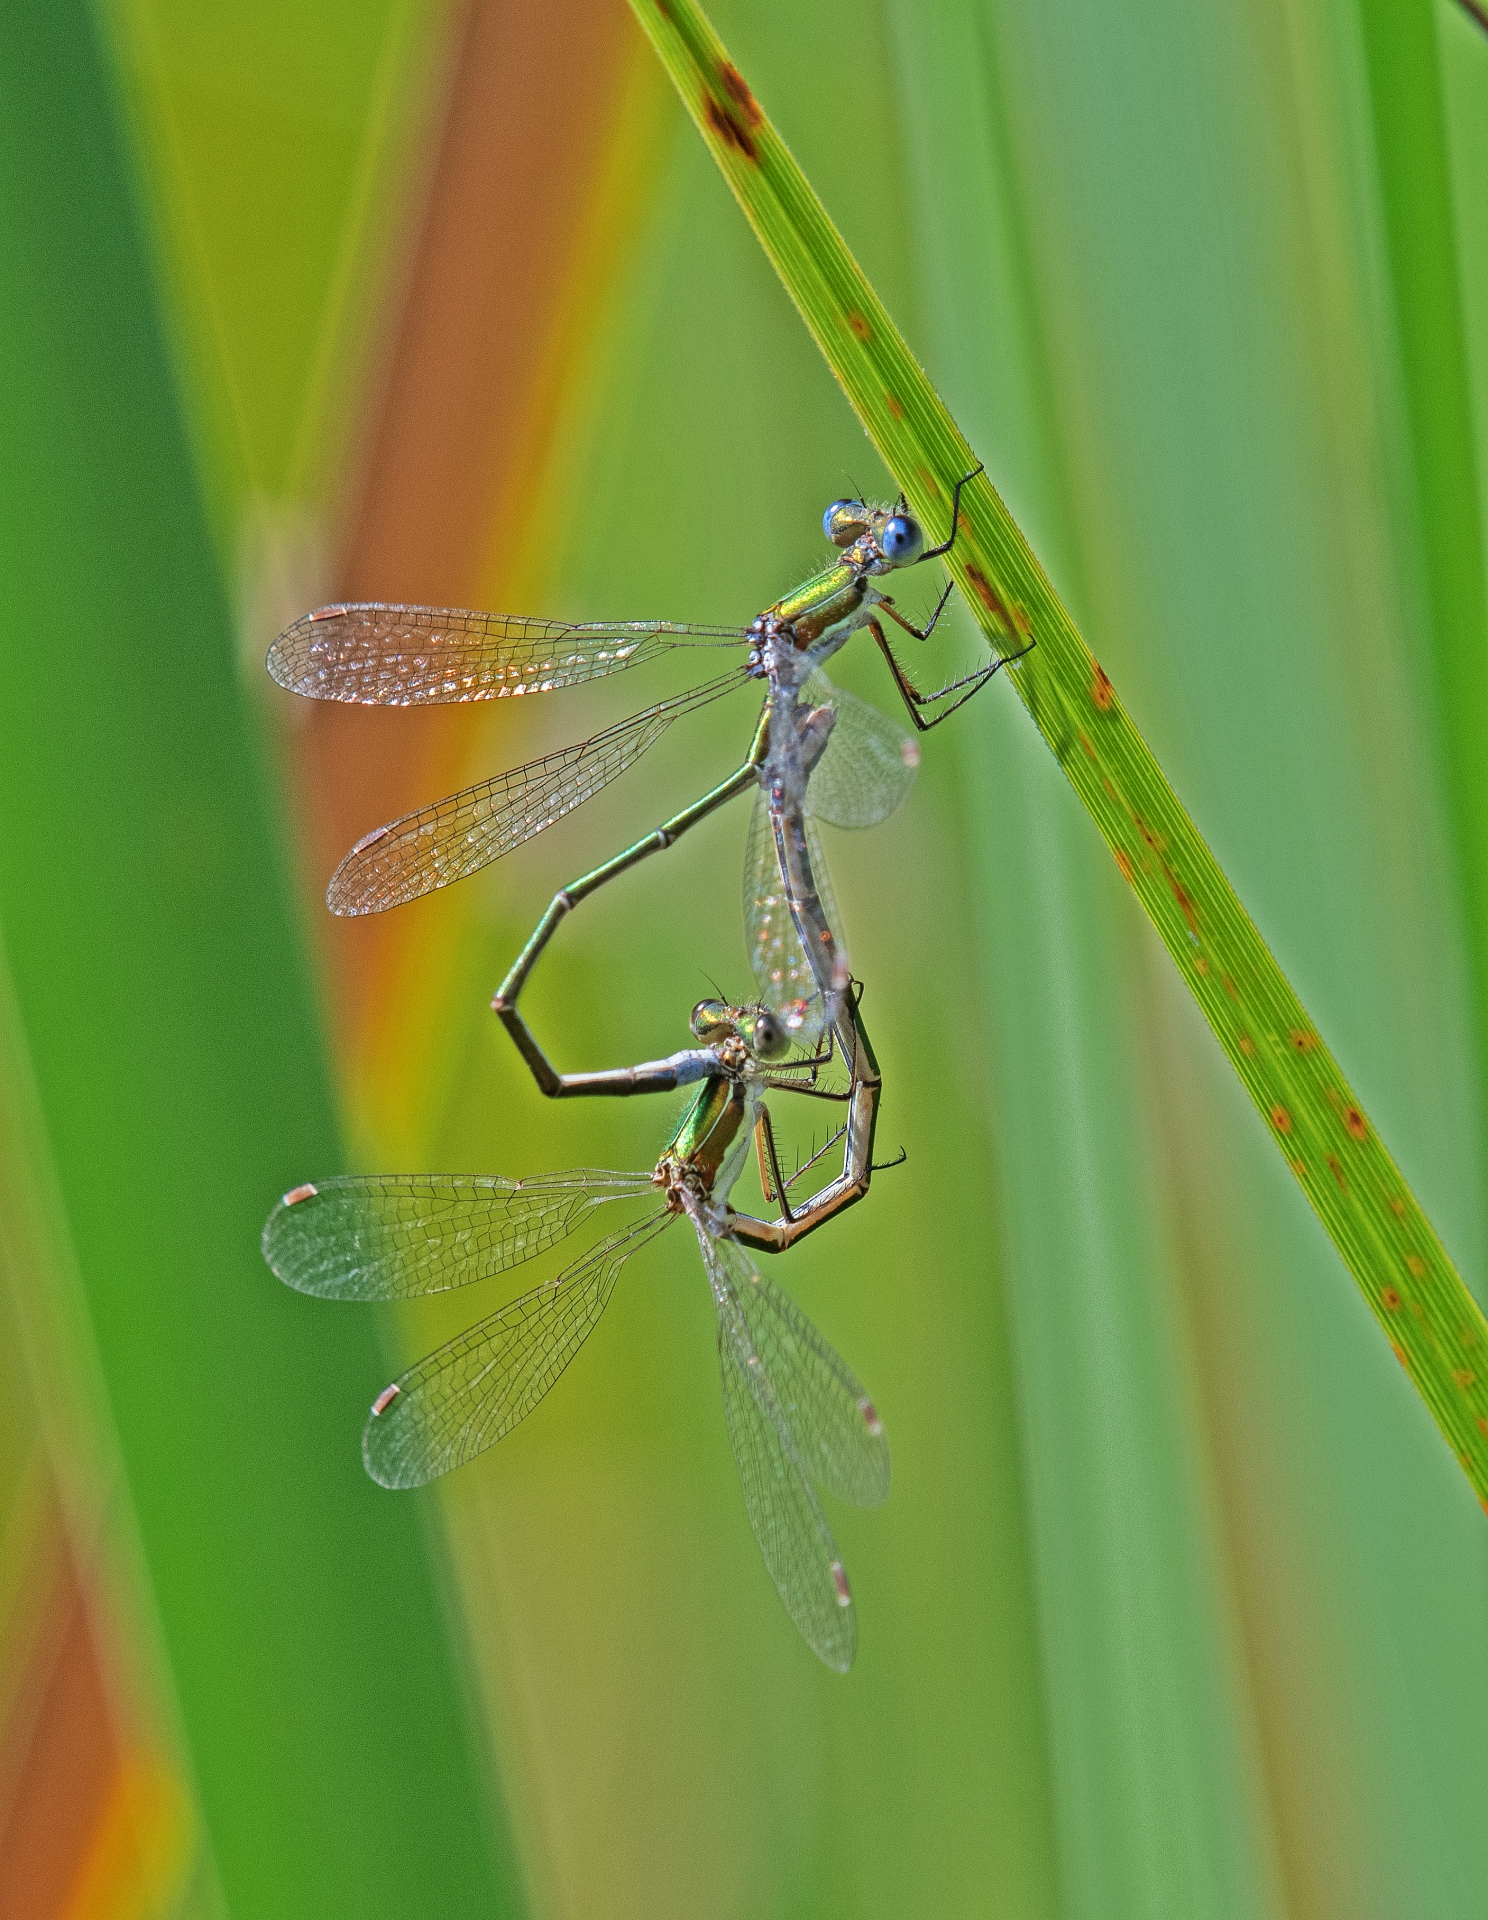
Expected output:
(901, 541)
(844, 521)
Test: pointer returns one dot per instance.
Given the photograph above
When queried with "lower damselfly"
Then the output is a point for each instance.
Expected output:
(797, 1416)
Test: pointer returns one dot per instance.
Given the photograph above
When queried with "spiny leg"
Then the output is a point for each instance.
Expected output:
(858, 1168)
(910, 694)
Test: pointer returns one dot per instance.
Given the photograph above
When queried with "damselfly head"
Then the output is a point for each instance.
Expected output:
(882, 537)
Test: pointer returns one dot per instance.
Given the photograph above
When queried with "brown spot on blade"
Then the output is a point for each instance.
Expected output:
(990, 598)
(1100, 689)
(859, 325)
(737, 89)
(728, 129)
(1281, 1119)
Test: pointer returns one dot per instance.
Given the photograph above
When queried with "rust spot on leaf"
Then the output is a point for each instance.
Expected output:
(1391, 1299)
(859, 325)
(737, 89)
(1337, 1172)
(1281, 1119)
(932, 484)
(1463, 1377)
(1085, 743)
(1416, 1265)
(1126, 867)
(1201, 965)
(1302, 1040)
(728, 129)
(1020, 616)
(990, 598)
(1482, 1424)
(1299, 1168)
(1399, 1353)
(1354, 1121)
(893, 406)
(1100, 689)
(1247, 1045)
(1229, 986)
(1397, 1207)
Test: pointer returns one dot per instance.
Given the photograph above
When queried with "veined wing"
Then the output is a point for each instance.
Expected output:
(868, 766)
(787, 984)
(457, 836)
(389, 1237)
(473, 1391)
(839, 1437)
(393, 656)
(788, 1523)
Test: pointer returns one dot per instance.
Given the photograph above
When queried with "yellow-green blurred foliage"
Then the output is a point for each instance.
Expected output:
(1175, 1609)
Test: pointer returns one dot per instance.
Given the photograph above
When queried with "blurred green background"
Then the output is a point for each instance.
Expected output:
(1177, 1606)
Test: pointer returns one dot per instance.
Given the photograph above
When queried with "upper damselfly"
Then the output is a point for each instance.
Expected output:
(385, 655)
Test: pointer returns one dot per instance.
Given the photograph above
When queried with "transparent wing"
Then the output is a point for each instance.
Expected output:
(789, 1525)
(472, 1392)
(787, 984)
(839, 1437)
(393, 656)
(457, 836)
(390, 1237)
(869, 764)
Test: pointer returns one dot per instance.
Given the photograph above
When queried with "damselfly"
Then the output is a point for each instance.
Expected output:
(796, 1413)
(389, 655)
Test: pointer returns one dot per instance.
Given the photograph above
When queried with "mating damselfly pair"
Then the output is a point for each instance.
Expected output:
(796, 1414)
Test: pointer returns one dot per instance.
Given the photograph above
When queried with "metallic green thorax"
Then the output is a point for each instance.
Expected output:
(834, 597)
(708, 1129)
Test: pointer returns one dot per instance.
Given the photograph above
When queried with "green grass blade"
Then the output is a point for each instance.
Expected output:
(1431, 1320)
(171, 1030)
